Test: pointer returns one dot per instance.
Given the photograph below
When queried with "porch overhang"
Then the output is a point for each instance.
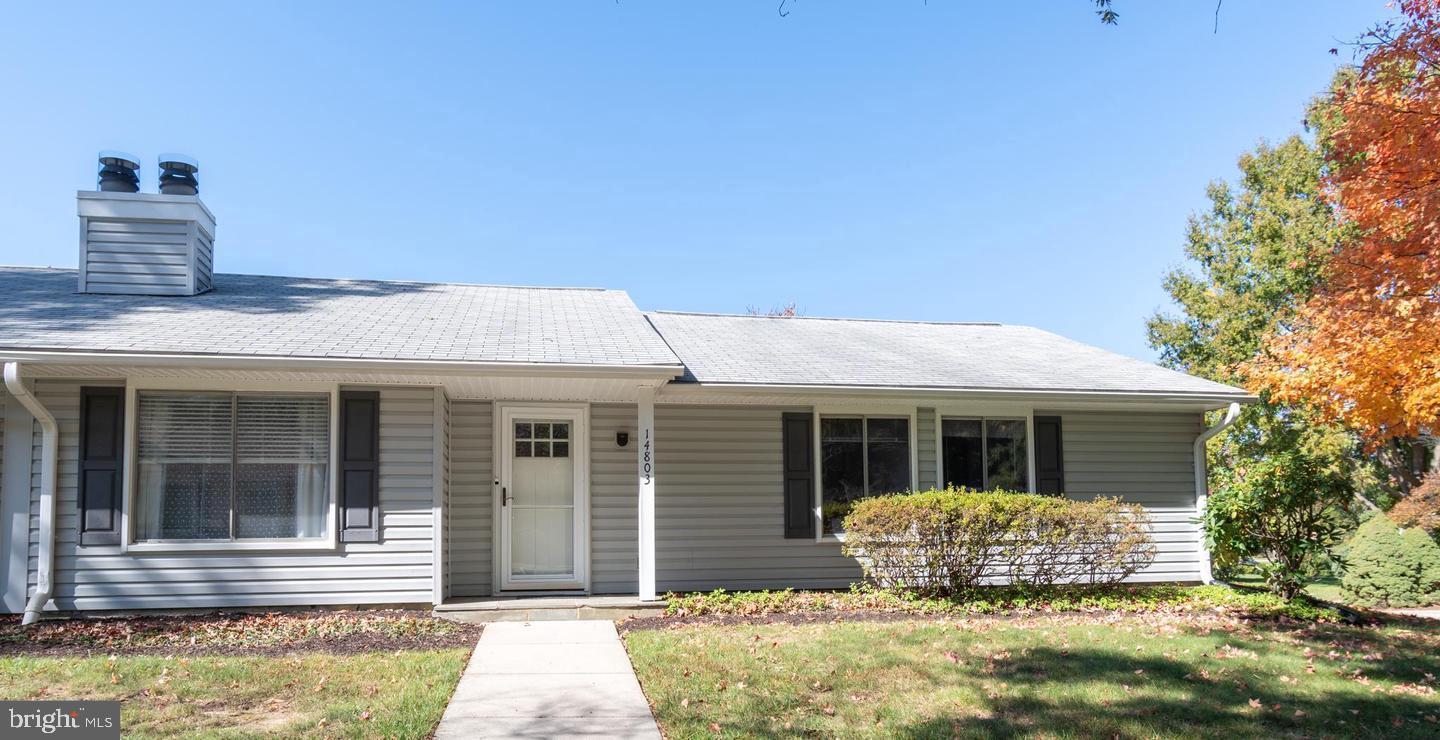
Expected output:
(460, 380)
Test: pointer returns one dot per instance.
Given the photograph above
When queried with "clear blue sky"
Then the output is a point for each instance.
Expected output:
(950, 161)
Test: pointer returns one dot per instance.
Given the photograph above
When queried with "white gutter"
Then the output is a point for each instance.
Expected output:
(287, 362)
(960, 392)
(1202, 484)
(49, 450)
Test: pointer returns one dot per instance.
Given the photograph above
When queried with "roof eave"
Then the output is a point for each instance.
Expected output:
(664, 371)
(1208, 400)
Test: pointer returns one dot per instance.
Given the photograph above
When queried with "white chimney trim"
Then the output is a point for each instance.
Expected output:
(145, 206)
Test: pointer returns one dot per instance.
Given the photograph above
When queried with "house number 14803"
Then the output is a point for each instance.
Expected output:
(645, 465)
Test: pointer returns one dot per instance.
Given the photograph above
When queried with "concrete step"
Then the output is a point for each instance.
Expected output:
(547, 608)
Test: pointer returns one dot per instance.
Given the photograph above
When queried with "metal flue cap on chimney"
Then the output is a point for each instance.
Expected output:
(177, 175)
(118, 172)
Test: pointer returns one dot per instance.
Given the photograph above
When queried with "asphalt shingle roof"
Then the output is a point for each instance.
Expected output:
(306, 317)
(897, 354)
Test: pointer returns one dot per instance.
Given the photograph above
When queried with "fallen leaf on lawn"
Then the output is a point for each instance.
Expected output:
(365, 715)
(1255, 704)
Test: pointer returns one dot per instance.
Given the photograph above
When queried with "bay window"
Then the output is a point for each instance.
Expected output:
(985, 454)
(226, 467)
(860, 456)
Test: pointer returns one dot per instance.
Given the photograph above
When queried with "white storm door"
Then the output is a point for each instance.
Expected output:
(542, 518)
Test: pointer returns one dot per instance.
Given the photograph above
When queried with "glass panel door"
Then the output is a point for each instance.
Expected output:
(541, 503)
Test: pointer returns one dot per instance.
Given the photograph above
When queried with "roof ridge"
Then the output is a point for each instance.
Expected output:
(360, 280)
(830, 318)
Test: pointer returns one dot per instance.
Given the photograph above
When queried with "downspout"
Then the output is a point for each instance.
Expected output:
(48, 453)
(1202, 483)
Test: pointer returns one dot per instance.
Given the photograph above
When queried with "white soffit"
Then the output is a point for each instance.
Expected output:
(532, 388)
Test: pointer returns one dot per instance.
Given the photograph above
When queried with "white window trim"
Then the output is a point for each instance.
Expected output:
(885, 411)
(1010, 413)
(134, 385)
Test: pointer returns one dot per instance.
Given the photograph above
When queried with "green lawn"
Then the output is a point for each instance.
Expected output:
(1324, 589)
(1065, 676)
(393, 694)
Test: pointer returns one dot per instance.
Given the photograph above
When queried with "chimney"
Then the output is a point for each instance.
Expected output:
(134, 243)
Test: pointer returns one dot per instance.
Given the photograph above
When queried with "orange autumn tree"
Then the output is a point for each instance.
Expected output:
(1365, 350)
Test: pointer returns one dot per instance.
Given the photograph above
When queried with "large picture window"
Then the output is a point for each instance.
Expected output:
(985, 454)
(859, 457)
(232, 466)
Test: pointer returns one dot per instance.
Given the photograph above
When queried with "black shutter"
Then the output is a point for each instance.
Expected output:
(799, 475)
(1049, 456)
(359, 466)
(102, 454)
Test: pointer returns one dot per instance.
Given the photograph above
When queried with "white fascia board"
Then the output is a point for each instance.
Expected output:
(272, 362)
(1034, 397)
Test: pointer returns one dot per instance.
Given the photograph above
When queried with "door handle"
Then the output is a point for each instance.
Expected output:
(504, 499)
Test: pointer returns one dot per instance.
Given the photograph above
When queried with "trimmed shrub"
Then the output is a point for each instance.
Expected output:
(1426, 554)
(1385, 567)
(951, 541)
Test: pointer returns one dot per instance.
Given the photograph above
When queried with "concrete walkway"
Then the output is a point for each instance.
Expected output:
(549, 679)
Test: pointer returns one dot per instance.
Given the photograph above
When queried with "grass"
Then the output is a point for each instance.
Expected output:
(397, 694)
(1326, 588)
(368, 673)
(1085, 675)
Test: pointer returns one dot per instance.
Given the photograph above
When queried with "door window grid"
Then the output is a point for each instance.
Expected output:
(542, 439)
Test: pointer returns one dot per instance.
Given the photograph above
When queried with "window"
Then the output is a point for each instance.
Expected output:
(542, 439)
(859, 457)
(985, 454)
(232, 466)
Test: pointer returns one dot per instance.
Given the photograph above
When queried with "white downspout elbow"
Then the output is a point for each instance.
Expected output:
(1202, 484)
(49, 452)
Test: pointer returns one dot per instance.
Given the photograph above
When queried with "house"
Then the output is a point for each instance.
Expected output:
(175, 437)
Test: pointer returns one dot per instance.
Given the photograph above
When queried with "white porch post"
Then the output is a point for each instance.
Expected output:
(645, 459)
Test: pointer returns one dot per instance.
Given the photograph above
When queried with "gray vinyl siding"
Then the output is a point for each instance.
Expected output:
(925, 448)
(204, 262)
(14, 502)
(719, 505)
(1143, 458)
(138, 257)
(615, 499)
(718, 496)
(469, 544)
(398, 569)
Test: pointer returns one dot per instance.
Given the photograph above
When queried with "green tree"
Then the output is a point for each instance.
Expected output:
(1280, 509)
(1257, 255)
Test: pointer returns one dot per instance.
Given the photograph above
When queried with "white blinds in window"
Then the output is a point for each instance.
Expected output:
(184, 428)
(283, 429)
